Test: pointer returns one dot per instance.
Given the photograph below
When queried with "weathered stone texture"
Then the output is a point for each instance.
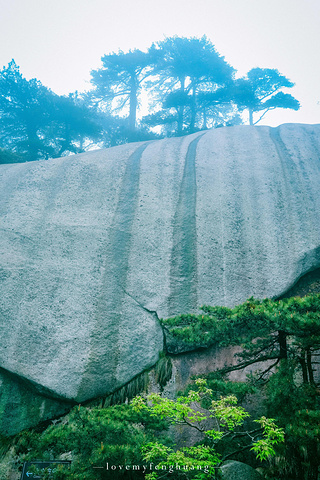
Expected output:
(233, 470)
(22, 407)
(94, 247)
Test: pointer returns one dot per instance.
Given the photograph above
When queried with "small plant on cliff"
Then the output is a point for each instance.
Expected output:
(223, 420)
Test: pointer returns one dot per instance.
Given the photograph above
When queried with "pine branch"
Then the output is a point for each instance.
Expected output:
(266, 111)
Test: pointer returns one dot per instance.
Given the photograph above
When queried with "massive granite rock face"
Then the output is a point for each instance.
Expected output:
(95, 247)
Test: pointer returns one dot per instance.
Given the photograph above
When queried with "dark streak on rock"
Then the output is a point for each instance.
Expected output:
(292, 170)
(120, 235)
(183, 273)
(112, 295)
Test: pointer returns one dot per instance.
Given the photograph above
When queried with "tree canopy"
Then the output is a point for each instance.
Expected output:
(120, 78)
(186, 70)
(37, 123)
(187, 84)
(203, 460)
(261, 91)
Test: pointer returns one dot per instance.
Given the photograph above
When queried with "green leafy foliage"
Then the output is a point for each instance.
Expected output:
(186, 71)
(256, 325)
(132, 441)
(261, 90)
(118, 83)
(202, 460)
(95, 439)
(189, 86)
(6, 156)
(36, 123)
(264, 448)
(280, 342)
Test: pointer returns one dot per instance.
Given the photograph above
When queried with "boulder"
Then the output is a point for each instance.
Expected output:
(94, 248)
(22, 407)
(232, 470)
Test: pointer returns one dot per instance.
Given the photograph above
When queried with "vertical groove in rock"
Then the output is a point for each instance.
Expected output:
(294, 199)
(313, 139)
(183, 272)
(120, 235)
(110, 309)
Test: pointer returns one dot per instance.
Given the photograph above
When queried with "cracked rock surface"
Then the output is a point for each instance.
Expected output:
(95, 247)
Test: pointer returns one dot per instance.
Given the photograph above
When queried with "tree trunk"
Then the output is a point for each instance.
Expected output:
(283, 345)
(81, 144)
(250, 116)
(133, 104)
(193, 110)
(180, 109)
(66, 142)
(304, 369)
(204, 124)
(314, 460)
(33, 143)
(309, 365)
(180, 120)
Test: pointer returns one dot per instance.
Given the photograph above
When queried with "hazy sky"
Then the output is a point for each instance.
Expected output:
(60, 41)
